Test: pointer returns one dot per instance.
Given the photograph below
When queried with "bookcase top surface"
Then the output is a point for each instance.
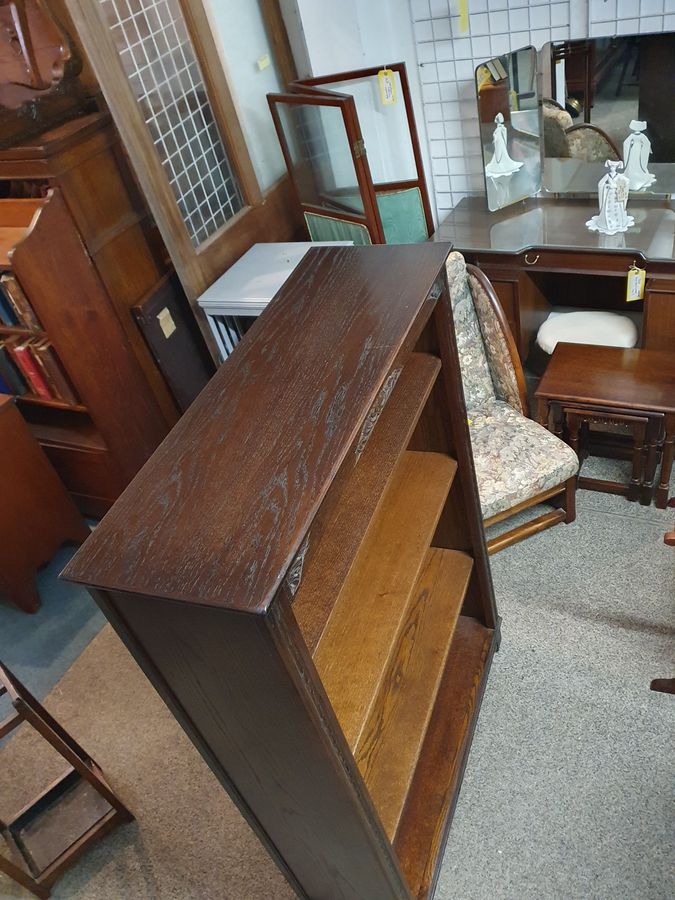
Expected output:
(218, 513)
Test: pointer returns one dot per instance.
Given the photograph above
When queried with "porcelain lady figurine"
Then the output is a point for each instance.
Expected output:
(501, 163)
(612, 198)
(637, 149)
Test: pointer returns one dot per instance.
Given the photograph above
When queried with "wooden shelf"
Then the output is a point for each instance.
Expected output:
(338, 530)
(390, 744)
(422, 832)
(21, 331)
(371, 607)
(53, 404)
(83, 435)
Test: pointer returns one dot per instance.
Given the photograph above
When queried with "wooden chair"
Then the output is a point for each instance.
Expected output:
(519, 463)
(562, 138)
(40, 837)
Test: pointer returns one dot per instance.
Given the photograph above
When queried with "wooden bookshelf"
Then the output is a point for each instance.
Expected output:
(300, 570)
(98, 444)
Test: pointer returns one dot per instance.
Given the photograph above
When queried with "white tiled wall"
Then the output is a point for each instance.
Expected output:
(448, 57)
(607, 17)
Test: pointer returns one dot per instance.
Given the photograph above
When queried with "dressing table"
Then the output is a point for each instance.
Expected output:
(539, 253)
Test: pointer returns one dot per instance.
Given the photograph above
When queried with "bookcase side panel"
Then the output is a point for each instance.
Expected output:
(254, 708)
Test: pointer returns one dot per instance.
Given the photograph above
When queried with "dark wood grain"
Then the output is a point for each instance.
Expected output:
(281, 414)
(310, 810)
(265, 458)
(611, 376)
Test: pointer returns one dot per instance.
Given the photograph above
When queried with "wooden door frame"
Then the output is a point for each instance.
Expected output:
(269, 213)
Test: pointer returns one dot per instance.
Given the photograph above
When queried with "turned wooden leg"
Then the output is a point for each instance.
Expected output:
(542, 411)
(558, 418)
(666, 467)
(573, 426)
(647, 491)
(639, 431)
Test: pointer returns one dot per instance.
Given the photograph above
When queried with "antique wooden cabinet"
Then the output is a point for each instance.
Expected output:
(300, 570)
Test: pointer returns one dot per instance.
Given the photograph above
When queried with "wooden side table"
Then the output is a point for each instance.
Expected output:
(37, 514)
(634, 389)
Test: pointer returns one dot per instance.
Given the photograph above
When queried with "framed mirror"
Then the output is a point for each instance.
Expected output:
(509, 112)
(609, 98)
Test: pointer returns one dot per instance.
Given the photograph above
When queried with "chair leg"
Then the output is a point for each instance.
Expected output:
(570, 500)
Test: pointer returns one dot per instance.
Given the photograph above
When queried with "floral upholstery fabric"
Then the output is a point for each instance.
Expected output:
(476, 377)
(515, 457)
(556, 123)
(496, 348)
(590, 145)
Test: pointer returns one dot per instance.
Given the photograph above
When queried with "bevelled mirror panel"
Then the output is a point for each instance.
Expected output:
(510, 126)
(609, 98)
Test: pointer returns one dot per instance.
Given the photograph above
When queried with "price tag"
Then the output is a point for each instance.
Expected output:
(635, 287)
(385, 79)
(166, 323)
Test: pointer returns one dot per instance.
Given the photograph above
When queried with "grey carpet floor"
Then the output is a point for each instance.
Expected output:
(40, 648)
(568, 789)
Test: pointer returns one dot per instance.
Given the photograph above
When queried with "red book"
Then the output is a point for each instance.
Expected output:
(23, 356)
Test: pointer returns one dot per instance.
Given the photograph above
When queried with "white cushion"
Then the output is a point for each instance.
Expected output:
(607, 329)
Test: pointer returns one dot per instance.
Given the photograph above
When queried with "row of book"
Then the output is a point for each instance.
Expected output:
(30, 366)
(15, 308)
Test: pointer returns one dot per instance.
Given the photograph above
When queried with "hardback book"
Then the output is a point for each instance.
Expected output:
(20, 304)
(23, 356)
(7, 314)
(10, 373)
(48, 361)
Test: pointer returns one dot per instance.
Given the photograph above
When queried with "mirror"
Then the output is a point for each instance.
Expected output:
(510, 126)
(609, 98)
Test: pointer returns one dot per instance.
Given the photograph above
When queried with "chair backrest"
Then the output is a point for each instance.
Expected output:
(488, 357)
(590, 143)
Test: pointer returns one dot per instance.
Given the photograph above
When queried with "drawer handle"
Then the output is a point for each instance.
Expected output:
(531, 262)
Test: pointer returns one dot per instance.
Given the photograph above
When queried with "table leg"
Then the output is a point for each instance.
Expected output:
(542, 411)
(558, 418)
(639, 432)
(573, 426)
(647, 491)
(666, 463)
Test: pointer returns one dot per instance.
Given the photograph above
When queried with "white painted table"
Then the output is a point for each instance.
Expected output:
(249, 285)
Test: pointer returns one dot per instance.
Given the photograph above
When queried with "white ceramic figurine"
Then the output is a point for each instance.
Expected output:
(501, 163)
(612, 199)
(637, 149)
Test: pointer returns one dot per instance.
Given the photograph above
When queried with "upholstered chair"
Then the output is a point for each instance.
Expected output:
(562, 138)
(518, 463)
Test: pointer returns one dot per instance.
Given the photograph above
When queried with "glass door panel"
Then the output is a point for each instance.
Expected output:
(385, 128)
(322, 145)
(322, 164)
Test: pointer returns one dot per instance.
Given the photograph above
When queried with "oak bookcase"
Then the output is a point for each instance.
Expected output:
(300, 569)
(98, 444)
